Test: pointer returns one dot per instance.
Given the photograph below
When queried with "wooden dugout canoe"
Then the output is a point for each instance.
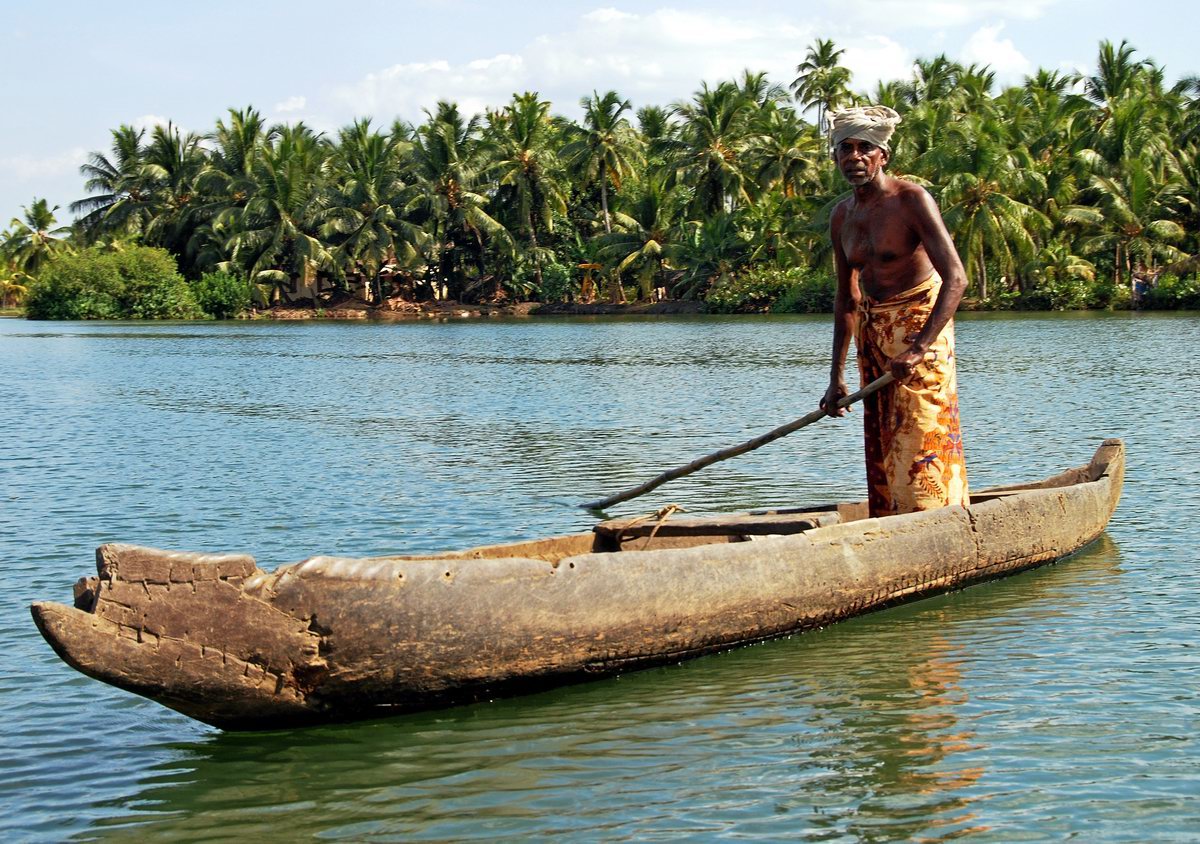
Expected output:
(332, 639)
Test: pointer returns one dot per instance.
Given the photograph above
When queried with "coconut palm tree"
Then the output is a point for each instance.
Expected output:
(762, 91)
(445, 166)
(821, 82)
(1136, 216)
(236, 148)
(712, 154)
(527, 170)
(933, 80)
(366, 215)
(14, 284)
(779, 231)
(121, 191)
(1058, 277)
(32, 239)
(604, 149)
(1117, 74)
(711, 250)
(982, 178)
(659, 133)
(172, 164)
(787, 153)
(274, 236)
(644, 238)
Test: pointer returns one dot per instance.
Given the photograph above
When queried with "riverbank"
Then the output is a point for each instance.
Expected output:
(352, 309)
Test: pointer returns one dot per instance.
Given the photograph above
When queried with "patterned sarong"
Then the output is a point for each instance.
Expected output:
(913, 440)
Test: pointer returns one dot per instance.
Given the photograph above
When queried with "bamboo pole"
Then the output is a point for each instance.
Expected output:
(734, 451)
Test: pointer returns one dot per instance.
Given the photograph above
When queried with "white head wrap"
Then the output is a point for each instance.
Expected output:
(867, 123)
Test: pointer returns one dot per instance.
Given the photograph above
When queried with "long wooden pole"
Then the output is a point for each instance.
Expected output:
(734, 451)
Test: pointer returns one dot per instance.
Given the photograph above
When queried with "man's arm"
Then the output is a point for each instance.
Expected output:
(927, 221)
(844, 316)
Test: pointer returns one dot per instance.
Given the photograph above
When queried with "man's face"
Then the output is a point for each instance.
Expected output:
(860, 161)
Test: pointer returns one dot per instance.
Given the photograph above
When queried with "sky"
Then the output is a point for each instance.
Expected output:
(74, 71)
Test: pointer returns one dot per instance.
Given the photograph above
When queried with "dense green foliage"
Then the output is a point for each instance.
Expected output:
(1174, 293)
(138, 282)
(223, 295)
(796, 290)
(1057, 193)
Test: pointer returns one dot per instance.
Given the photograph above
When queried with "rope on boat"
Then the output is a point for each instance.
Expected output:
(662, 514)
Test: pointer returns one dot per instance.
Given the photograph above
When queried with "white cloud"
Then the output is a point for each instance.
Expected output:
(291, 104)
(607, 15)
(661, 55)
(405, 89)
(937, 14)
(986, 47)
(876, 57)
(149, 121)
(653, 57)
(27, 168)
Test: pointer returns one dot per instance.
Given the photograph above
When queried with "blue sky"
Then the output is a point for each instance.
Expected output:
(75, 70)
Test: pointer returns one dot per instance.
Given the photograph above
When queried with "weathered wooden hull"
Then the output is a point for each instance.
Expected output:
(328, 639)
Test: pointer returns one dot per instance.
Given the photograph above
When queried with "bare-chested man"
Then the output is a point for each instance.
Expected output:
(899, 281)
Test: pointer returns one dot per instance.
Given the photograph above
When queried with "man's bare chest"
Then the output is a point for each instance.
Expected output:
(878, 234)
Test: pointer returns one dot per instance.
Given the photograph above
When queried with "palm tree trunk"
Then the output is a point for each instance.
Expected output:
(983, 280)
(616, 293)
(604, 197)
(537, 259)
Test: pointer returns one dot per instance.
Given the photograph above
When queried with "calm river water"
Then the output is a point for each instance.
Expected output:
(1058, 703)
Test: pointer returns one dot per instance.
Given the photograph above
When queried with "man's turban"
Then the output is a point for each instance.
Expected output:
(867, 123)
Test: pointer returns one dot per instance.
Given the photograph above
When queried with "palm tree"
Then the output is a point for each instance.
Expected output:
(780, 232)
(660, 134)
(172, 164)
(274, 236)
(527, 169)
(1117, 74)
(14, 284)
(444, 164)
(821, 82)
(712, 251)
(787, 152)
(761, 91)
(1059, 277)
(32, 240)
(979, 207)
(712, 154)
(121, 198)
(228, 181)
(604, 149)
(368, 199)
(1137, 223)
(933, 80)
(644, 237)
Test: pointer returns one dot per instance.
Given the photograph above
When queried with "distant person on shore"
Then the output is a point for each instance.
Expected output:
(899, 281)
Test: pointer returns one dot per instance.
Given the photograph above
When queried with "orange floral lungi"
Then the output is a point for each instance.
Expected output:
(913, 440)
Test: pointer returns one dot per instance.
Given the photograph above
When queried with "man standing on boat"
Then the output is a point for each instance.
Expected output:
(899, 281)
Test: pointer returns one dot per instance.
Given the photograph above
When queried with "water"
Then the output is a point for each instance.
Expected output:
(1058, 703)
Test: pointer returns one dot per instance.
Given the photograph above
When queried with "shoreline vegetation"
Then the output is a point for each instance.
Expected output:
(1064, 192)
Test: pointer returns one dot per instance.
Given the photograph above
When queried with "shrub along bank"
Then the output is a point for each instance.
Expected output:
(139, 282)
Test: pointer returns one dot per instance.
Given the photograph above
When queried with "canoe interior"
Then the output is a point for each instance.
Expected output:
(652, 532)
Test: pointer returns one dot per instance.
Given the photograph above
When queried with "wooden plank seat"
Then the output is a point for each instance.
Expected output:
(738, 524)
